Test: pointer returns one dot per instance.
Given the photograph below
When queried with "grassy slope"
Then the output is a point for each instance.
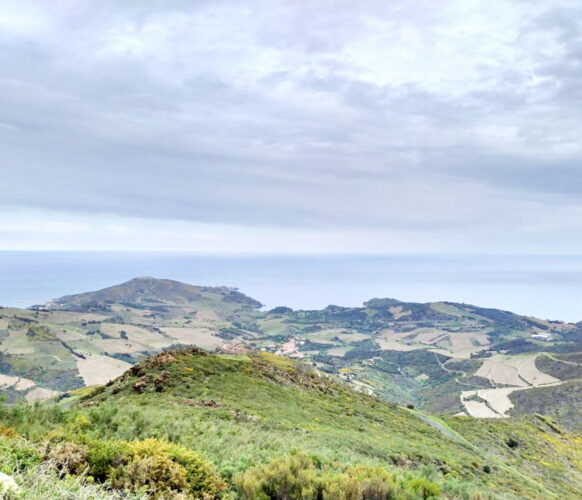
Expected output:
(268, 405)
(562, 402)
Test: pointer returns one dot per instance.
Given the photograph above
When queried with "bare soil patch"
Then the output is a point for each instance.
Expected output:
(97, 369)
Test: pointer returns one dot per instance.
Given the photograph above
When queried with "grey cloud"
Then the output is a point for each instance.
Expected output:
(147, 110)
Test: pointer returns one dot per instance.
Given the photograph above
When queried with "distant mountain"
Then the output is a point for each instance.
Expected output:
(147, 291)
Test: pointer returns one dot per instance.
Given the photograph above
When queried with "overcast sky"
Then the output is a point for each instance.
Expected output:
(300, 126)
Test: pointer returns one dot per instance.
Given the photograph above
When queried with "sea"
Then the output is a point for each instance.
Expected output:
(549, 287)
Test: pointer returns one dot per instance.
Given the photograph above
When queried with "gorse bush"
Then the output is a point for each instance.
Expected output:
(171, 464)
(156, 475)
(154, 467)
(7, 432)
(300, 477)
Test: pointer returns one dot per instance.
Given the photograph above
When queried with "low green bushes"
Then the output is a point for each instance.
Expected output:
(154, 467)
(16, 454)
(301, 477)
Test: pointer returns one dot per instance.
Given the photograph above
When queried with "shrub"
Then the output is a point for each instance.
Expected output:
(105, 456)
(156, 475)
(155, 466)
(7, 432)
(288, 477)
(201, 475)
(423, 488)
(16, 455)
(44, 482)
(512, 443)
(299, 477)
(363, 483)
(69, 458)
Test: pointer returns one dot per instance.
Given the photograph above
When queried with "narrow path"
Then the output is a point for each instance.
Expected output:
(447, 431)
(560, 360)
(444, 367)
(463, 374)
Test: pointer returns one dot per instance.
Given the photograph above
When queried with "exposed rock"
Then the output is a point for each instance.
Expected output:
(233, 348)
(141, 384)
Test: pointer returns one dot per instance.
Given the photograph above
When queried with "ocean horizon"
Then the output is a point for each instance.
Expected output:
(543, 286)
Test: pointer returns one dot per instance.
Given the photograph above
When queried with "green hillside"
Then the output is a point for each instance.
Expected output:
(239, 414)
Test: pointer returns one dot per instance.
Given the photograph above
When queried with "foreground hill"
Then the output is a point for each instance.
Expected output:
(441, 357)
(241, 412)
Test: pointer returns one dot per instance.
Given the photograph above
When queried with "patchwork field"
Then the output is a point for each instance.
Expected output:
(17, 343)
(520, 372)
(467, 341)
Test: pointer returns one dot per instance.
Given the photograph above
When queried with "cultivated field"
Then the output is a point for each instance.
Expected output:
(97, 369)
(520, 372)
(17, 343)
(201, 337)
(207, 315)
(478, 408)
(398, 312)
(467, 341)
(137, 339)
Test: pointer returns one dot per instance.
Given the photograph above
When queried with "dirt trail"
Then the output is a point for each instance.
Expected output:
(447, 432)
(462, 373)
(560, 360)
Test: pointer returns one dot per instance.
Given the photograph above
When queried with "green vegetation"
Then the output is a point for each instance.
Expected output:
(563, 367)
(300, 476)
(185, 424)
(562, 402)
(40, 333)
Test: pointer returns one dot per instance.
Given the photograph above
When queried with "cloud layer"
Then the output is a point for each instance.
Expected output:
(410, 125)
